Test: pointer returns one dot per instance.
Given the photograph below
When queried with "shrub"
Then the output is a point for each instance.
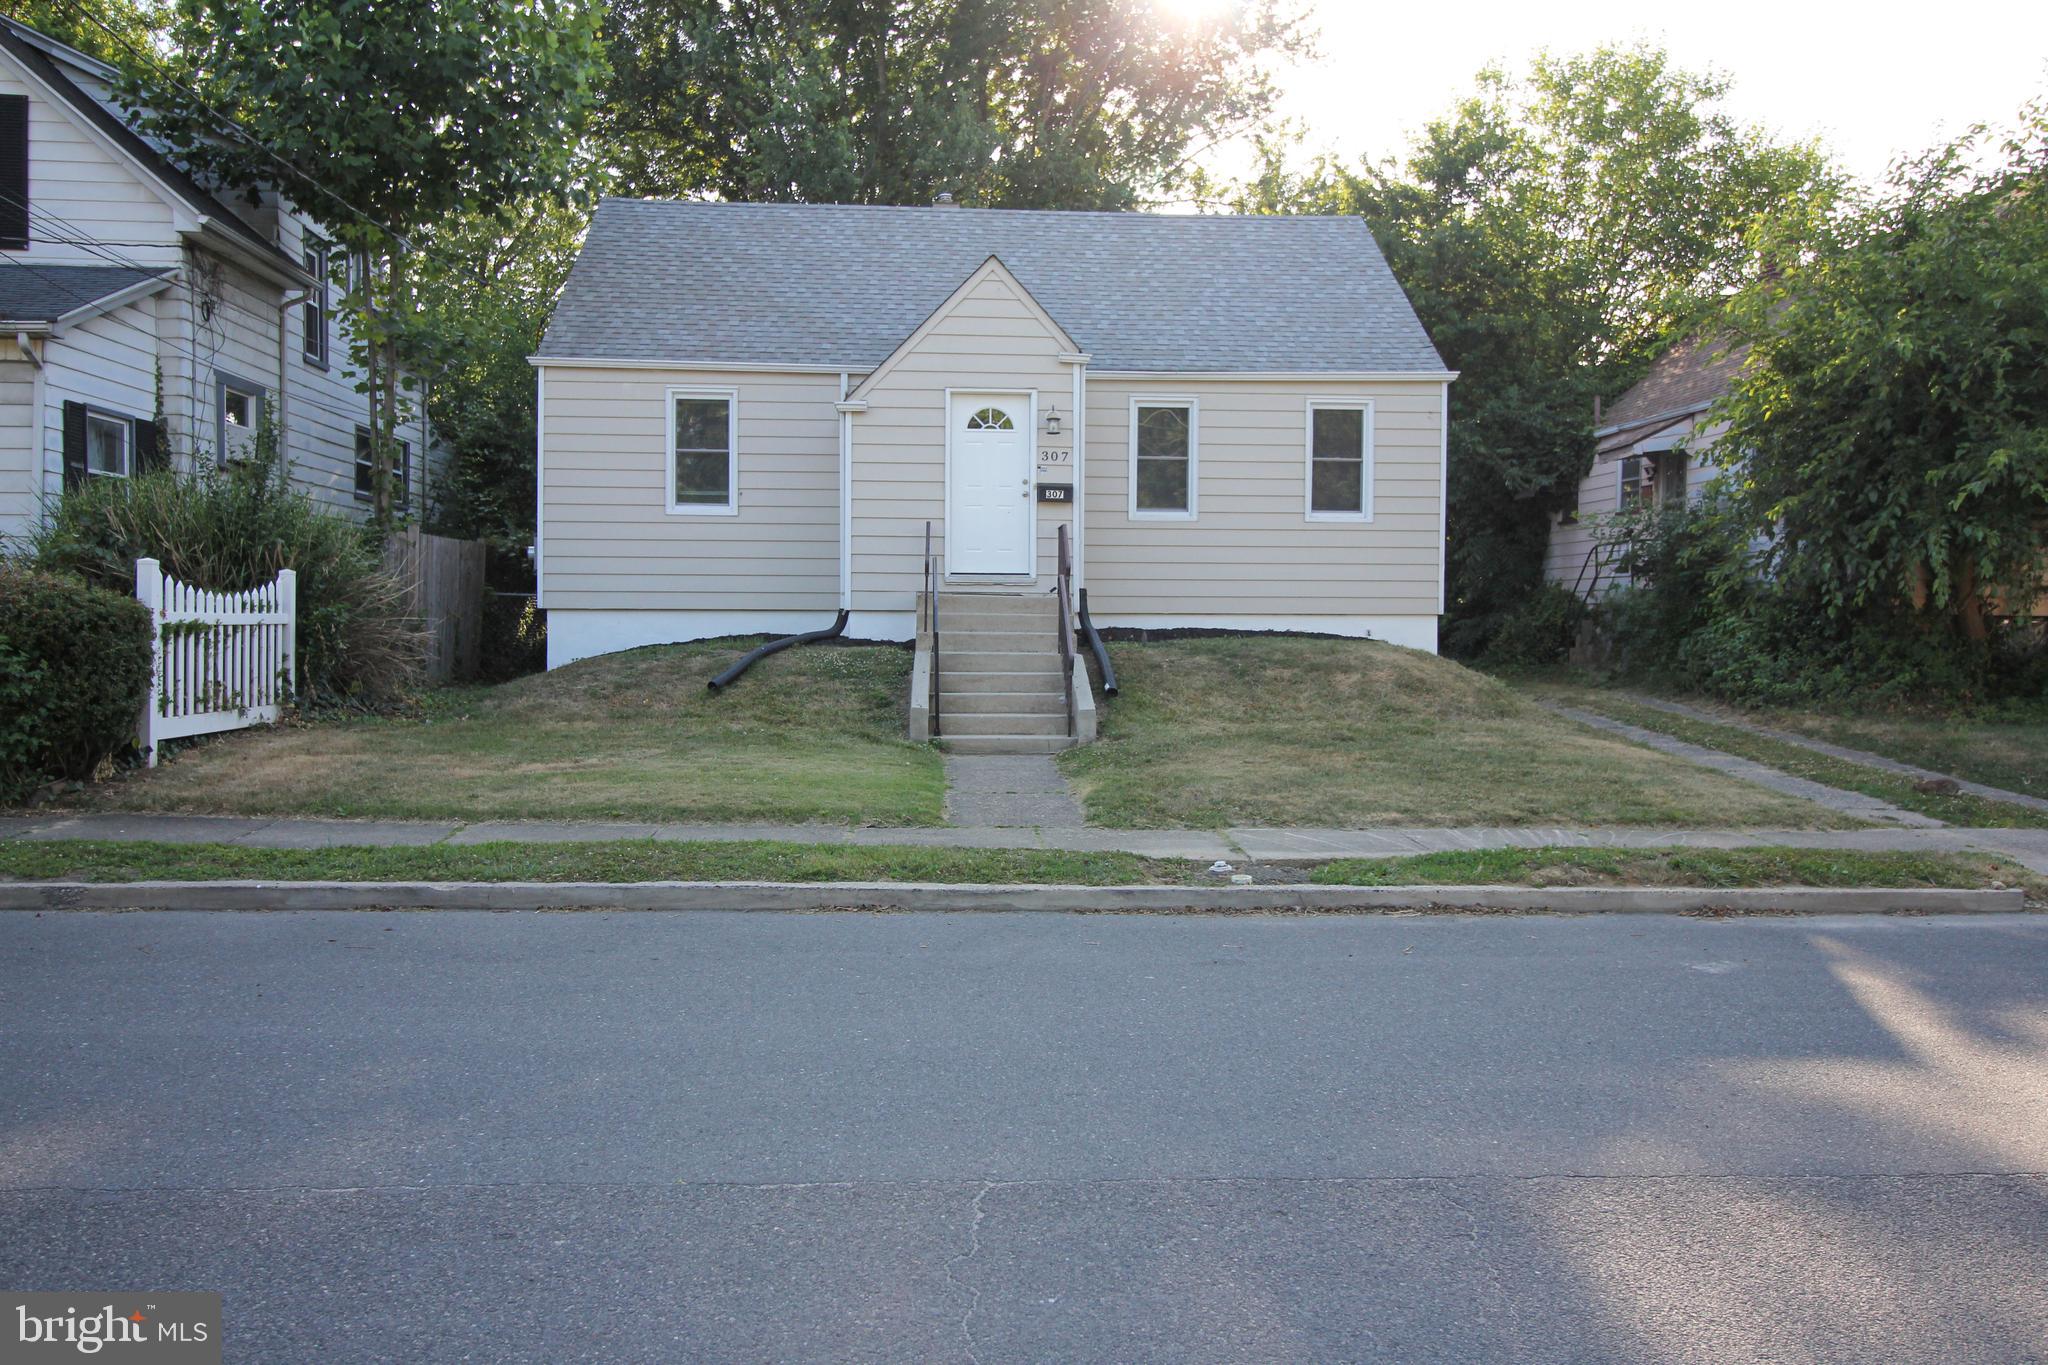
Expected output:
(228, 530)
(74, 672)
(515, 638)
(1539, 631)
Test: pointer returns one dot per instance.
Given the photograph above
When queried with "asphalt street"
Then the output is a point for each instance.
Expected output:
(1010, 1137)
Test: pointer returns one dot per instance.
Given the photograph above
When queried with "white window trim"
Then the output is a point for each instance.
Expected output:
(1194, 407)
(1308, 459)
(731, 506)
(126, 426)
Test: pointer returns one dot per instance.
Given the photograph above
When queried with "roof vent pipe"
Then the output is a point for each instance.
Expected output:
(944, 200)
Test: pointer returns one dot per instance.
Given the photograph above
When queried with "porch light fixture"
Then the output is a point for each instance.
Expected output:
(1052, 420)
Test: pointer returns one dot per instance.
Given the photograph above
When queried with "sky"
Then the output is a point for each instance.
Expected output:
(1872, 80)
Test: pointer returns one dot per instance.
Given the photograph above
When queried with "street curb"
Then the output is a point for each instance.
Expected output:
(270, 896)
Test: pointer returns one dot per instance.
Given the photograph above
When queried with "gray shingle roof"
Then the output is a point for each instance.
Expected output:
(841, 285)
(44, 293)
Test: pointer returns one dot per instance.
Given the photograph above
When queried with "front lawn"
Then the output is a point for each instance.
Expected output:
(1995, 748)
(1342, 733)
(809, 734)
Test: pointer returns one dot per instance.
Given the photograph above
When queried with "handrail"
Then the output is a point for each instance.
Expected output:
(931, 607)
(752, 657)
(1066, 628)
(1099, 649)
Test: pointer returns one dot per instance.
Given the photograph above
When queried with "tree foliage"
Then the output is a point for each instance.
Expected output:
(1892, 421)
(1553, 230)
(380, 120)
(1020, 103)
(111, 30)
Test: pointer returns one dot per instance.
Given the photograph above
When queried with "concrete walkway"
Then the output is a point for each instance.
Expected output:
(1852, 803)
(1009, 791)
(1841, 751)
(2026, 846)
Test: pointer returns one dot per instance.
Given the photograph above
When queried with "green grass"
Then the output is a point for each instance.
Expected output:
(1216, 732)
(1959, 809)
(626, 860)
(811, 734)
(2006, 749)
(1719, 868)
(643, 860)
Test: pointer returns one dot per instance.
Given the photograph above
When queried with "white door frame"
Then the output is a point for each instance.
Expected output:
(1028, 574)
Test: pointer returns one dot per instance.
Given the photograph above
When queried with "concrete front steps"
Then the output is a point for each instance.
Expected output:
(1000, 689)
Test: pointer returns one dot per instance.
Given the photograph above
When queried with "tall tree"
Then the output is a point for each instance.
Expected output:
(380, 120)
(1021, 103)
(111, 30)
(1893, 420)
(1554, 230)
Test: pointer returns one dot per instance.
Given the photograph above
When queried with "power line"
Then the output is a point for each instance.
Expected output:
(76, 7)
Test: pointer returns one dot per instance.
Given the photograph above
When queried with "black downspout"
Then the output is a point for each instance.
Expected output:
(831, 632)
(1096, 647)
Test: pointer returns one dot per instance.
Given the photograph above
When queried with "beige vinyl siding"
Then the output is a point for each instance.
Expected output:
(611, 542)
(990, 337)
(1251, 550)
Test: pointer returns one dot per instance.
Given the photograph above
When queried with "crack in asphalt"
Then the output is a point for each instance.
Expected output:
(973, 1249)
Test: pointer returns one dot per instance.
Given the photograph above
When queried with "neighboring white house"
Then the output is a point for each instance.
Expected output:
(751, 412)
(1655, 445)
(144, 318)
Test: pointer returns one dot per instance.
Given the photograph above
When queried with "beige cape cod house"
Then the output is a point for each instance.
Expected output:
(750, 414)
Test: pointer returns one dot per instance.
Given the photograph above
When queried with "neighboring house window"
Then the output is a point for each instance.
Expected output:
(1634, 486)
(13, 172)
(1670, 477)
(1163, 458)
(313, 313)
(703, 451)
(108, 445)
(1339, 461)
(241, 414)
(366, 473)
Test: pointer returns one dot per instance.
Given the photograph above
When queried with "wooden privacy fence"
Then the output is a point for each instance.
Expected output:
(444, 581)
(219, 660)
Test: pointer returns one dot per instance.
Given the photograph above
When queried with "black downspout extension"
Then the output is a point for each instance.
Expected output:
(1096, 647)
(831, 632)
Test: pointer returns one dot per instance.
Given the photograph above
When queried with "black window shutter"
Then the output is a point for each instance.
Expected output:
(13, 172)
(149, 452)
(74, 445)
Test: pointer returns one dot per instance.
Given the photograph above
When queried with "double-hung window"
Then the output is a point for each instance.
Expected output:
(109, 446)
(366, 472)
(1339, 460)
(240, 414)
(703, 452)
(1164, 440)
(313, 312)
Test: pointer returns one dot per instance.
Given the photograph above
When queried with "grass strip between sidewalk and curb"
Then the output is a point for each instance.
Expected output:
(624, 861)
(1719, 868)
(1960, 808)
(648, 860)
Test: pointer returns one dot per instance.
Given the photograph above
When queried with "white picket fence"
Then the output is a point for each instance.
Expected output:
(222, 660)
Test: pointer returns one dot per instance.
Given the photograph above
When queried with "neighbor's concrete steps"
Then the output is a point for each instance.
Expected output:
(1000, 685)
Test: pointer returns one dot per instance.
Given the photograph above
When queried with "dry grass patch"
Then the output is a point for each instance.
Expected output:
(1272, 731)
(808, 734)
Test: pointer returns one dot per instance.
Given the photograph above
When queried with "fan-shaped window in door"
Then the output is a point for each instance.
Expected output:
(991, 419)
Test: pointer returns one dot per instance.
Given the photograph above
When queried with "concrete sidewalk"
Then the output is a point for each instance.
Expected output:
(2026, 846)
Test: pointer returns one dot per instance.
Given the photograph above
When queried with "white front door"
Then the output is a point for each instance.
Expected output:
(988, 513)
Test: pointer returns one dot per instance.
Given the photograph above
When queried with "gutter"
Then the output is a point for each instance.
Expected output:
(1671, 416)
